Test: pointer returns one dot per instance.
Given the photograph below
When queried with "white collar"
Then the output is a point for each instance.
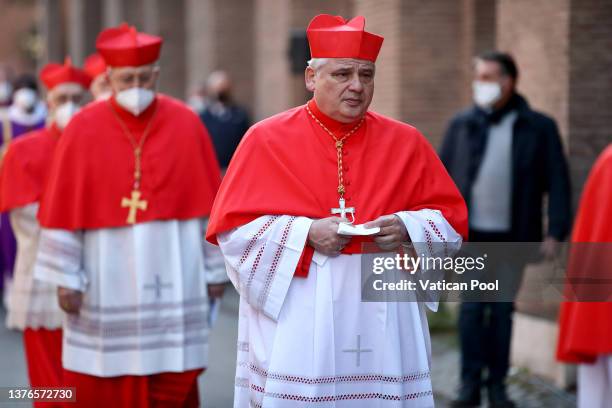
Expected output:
(20, 117)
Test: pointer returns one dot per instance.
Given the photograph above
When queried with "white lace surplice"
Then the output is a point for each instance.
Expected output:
(31, 303)
(310, 340)
(145, 305)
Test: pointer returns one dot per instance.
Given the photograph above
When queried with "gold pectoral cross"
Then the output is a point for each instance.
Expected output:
(134, 203)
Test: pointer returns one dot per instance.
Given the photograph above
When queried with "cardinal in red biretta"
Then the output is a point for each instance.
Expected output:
(305, 192)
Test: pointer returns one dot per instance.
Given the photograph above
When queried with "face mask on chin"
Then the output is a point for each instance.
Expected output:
(135, 100)
(486, 94)
(64, 113)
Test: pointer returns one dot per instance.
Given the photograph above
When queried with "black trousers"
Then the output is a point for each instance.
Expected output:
(485, 331)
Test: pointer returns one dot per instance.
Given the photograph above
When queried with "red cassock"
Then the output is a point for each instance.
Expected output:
(586, 327)
(164, 390)
(95, 166)
(43, 350)
(22, 180)
(287, 165)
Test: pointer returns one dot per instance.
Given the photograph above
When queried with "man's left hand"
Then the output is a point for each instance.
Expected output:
(215, 291)
(69, 300)
(392, 232)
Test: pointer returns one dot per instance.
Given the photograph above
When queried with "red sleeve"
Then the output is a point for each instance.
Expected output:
(301, 271)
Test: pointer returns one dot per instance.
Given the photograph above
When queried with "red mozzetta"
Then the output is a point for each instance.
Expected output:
(287, 165)
(25, 168)
(93, 170)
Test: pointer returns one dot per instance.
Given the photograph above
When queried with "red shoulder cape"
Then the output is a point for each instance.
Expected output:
(94, 166)
(25, 168)
(586, 327)
(287, 165)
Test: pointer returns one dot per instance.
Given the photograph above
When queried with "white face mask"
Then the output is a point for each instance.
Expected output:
(64, 113)
(5, 91)
(486, 94)
(25, 98)
(196, 103)
(135, 100)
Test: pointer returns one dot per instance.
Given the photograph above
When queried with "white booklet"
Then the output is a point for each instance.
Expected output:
(213, 311)
(352, 230)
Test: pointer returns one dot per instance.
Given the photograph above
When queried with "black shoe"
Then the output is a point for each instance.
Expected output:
(498, 397)
(469, 397)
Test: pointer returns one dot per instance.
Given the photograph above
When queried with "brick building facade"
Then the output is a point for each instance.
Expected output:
(19, 47)
(424, 70)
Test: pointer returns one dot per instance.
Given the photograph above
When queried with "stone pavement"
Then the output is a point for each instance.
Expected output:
(528, 391)
(217, 384)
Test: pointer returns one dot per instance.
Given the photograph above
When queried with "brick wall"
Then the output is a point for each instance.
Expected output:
(302, 11)
(220, 36)
(16, 20)
(93, 16)
(133, 13)
(478, 35)
(384, 18)
(434, 61)
(484, 24)
(171, 27)
(271, 74)
(233, 31)
(536, 32)
(562, 48)
(424, 68)
(590, 85)
(276, 89)
(200, 42)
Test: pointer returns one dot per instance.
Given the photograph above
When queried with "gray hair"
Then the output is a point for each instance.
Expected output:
(316, 63)
(66, 86)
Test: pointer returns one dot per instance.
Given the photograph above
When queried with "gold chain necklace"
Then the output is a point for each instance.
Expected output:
(134, 203)
(342, 209)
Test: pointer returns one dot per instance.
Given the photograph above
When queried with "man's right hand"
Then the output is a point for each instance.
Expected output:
(324, 238)
(70, 300)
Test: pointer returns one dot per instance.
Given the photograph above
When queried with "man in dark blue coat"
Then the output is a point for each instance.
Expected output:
(504, 157)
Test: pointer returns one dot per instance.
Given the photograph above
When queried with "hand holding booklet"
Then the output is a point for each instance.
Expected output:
(345, 228)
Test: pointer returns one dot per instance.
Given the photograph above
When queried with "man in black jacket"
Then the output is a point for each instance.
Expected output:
(226, 121)
(504, 157)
